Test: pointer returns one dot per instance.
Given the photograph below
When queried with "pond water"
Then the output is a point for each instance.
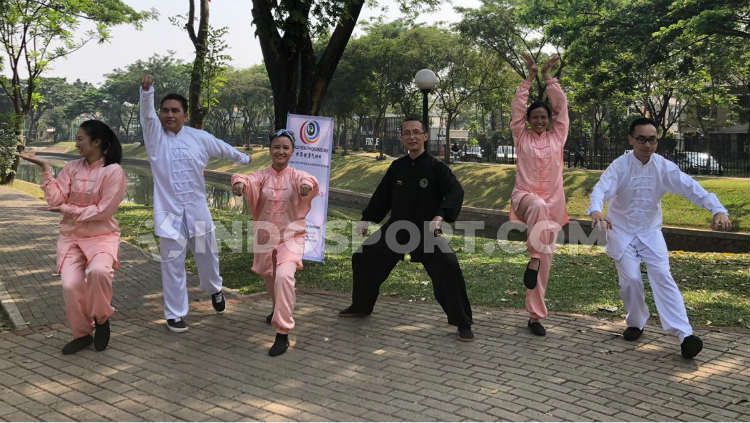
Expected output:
(140, 186)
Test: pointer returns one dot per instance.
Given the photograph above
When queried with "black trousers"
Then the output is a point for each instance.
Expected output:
(373, 262)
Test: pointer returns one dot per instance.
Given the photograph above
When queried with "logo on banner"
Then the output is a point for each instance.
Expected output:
(310, 132)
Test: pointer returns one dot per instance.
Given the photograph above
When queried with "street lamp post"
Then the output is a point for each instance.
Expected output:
(426, 81)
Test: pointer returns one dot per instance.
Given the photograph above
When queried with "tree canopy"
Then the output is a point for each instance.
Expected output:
(35, 33)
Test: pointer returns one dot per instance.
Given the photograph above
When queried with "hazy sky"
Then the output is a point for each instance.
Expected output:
(127, 45)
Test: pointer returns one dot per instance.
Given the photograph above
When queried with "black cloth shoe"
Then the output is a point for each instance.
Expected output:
(691, 346)
(352, 312)
(536, 328)
(269, 318)
(101, 336)
(279, 345)
(530, 275)
(217, 300)
(632, 333)
(77, 344)
(465, 334)
(176, 325)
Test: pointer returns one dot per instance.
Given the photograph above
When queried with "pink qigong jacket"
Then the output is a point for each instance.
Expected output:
(539, 158)
(278, 215)
(88, 197)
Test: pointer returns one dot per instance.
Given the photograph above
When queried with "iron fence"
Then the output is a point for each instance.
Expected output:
(718, 154)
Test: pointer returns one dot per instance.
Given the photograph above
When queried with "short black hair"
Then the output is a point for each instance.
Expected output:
(640, 121)
(109, 144)
(537, 104)
(412, 118)
(178, 97)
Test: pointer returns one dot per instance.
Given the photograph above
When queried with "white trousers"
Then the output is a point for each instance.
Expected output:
(174, 277)
(668, 299)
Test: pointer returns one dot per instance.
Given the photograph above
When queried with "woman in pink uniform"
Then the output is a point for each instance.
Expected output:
(87, 192)
(538, 199)
(280, 198)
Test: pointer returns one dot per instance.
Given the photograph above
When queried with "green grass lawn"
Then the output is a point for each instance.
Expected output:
(716, 286)
(490, 186)
(32, 189)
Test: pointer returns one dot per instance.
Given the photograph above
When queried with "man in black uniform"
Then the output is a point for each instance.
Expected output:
(420, 192)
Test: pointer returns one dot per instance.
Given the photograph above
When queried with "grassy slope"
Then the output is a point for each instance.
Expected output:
(490, 186)
(32, 189)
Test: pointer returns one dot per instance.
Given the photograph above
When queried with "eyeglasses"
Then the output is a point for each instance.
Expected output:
(408, 134)
(643, 140)
(282, 133)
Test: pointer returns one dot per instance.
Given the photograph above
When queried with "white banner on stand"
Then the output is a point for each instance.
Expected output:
(312, 153)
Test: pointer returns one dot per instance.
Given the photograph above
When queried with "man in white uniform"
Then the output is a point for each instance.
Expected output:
(178, 155)
(634, 184)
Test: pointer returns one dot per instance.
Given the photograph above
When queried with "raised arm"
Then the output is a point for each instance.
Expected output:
(113, 188)
(521, 98)
(150, 124)
(56, 190)
(248, 186)
(218, 148)
(680, 183)
(307, 185)
(557, 100)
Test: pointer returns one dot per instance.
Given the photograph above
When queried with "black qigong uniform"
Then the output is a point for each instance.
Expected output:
(415, 191)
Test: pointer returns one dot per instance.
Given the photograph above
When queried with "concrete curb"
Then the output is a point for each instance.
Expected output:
(11, 310)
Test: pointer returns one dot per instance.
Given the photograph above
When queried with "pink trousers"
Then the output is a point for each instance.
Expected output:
(280, 286)
(87, 290)
(540, 244)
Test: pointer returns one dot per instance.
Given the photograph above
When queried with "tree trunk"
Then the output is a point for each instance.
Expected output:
(345, 134)
(18, 123)
(448, 122)
(358, 133)
(32, 133)
(200, 42)
(298, 81)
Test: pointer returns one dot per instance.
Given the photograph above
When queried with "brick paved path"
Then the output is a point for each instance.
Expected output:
(402, 363)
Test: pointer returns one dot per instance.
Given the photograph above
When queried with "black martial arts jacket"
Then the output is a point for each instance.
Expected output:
(417, 191)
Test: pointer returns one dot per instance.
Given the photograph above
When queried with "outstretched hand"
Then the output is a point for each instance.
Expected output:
(146, 82)
(530, 66)
(238, 189)
(721, 222)
(599, 222)
(31, 157)
(551, 63)
(362, 228)
(436, 225)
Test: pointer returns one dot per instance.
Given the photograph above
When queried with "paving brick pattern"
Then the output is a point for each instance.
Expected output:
(402, 363)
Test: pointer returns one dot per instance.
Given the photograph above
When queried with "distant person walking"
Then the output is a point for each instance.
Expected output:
(279, 197)
(538, 199)
(87, 193)
(178, 154)
(634, 184)
(579, 155)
